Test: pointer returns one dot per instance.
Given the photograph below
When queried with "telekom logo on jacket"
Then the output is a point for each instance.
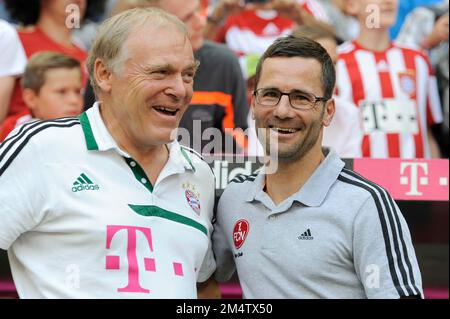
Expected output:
(113, 261)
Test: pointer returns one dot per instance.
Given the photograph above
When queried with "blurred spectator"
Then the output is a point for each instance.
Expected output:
(252, 27)
(344, 25)
(248, 66)
(4, 14)
(344, 134)
(98, 11)
(393, 86)
(52, 88)
(219, 99)
(428, 28)
(12, 64)
(404, 8)
(46, 25)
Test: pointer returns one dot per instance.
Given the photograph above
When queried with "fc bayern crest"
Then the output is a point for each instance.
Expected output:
(192, 197)
(240, 232)
(408, 82)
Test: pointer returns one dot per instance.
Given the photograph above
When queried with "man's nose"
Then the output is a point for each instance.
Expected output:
(283, 108)
(177, 88)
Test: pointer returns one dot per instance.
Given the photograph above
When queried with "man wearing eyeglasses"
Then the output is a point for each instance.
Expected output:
(304, 226)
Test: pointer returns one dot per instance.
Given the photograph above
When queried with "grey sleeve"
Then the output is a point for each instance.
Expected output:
(208, 264)
(225, 266)
(384, 256)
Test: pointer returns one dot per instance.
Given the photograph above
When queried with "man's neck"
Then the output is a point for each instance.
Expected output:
(290, 177)
(144, 154)
(54, 29)
(374, 39)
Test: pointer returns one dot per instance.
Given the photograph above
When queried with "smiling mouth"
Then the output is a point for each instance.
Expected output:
(166, 110)
(283, 130)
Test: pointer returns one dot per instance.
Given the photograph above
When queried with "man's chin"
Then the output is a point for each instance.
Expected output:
(163, 137)
(282, 155)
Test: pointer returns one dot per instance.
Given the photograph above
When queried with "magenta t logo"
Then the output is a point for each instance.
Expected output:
(113, 262)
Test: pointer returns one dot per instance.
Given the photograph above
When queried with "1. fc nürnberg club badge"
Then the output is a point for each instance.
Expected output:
(192, 197)
(240, 232)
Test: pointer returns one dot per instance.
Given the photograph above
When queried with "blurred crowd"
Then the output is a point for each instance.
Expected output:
(391, 58)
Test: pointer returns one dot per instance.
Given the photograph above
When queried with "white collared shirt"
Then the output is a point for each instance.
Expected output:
(80, 218)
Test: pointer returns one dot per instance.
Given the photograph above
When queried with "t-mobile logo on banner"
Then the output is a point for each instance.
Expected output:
(415, 179)
(113, 262)
(427, 179)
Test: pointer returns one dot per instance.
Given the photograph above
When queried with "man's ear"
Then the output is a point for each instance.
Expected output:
(252, 106)
(330, 108)
(30, 98)
(102, 75)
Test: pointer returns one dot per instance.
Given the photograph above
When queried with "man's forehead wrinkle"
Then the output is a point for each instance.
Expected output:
(141, 67)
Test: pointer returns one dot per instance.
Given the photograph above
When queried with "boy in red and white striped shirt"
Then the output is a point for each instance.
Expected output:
(394, 86)
(251, 28)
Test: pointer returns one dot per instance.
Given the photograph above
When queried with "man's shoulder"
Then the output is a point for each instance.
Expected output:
(241, 179)
(197, 161)
(240, 185)
(42, 130)
(360, 188)
(217, 51)
(55, 129)
(412, 50)
(346, 48)
(7, 30)
(48, 134)
(38, 141)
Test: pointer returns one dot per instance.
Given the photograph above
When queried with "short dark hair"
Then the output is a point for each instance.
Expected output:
(291, 46)
(40, 63)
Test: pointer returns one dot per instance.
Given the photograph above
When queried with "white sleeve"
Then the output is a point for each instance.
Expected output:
(354, 132)
(209, 263)
(343, 83)
(344, 134)
(21, 188)
(384, 255)
(12, 57)
(434, 108)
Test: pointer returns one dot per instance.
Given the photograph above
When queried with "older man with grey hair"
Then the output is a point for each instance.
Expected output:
(109, 205)
(219, 104)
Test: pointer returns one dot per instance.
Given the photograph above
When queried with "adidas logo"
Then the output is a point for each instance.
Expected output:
(83, 183)
(382, 66)
(271, 29)
(306, 235)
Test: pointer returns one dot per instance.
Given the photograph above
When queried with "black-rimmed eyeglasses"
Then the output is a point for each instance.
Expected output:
(299, 100)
